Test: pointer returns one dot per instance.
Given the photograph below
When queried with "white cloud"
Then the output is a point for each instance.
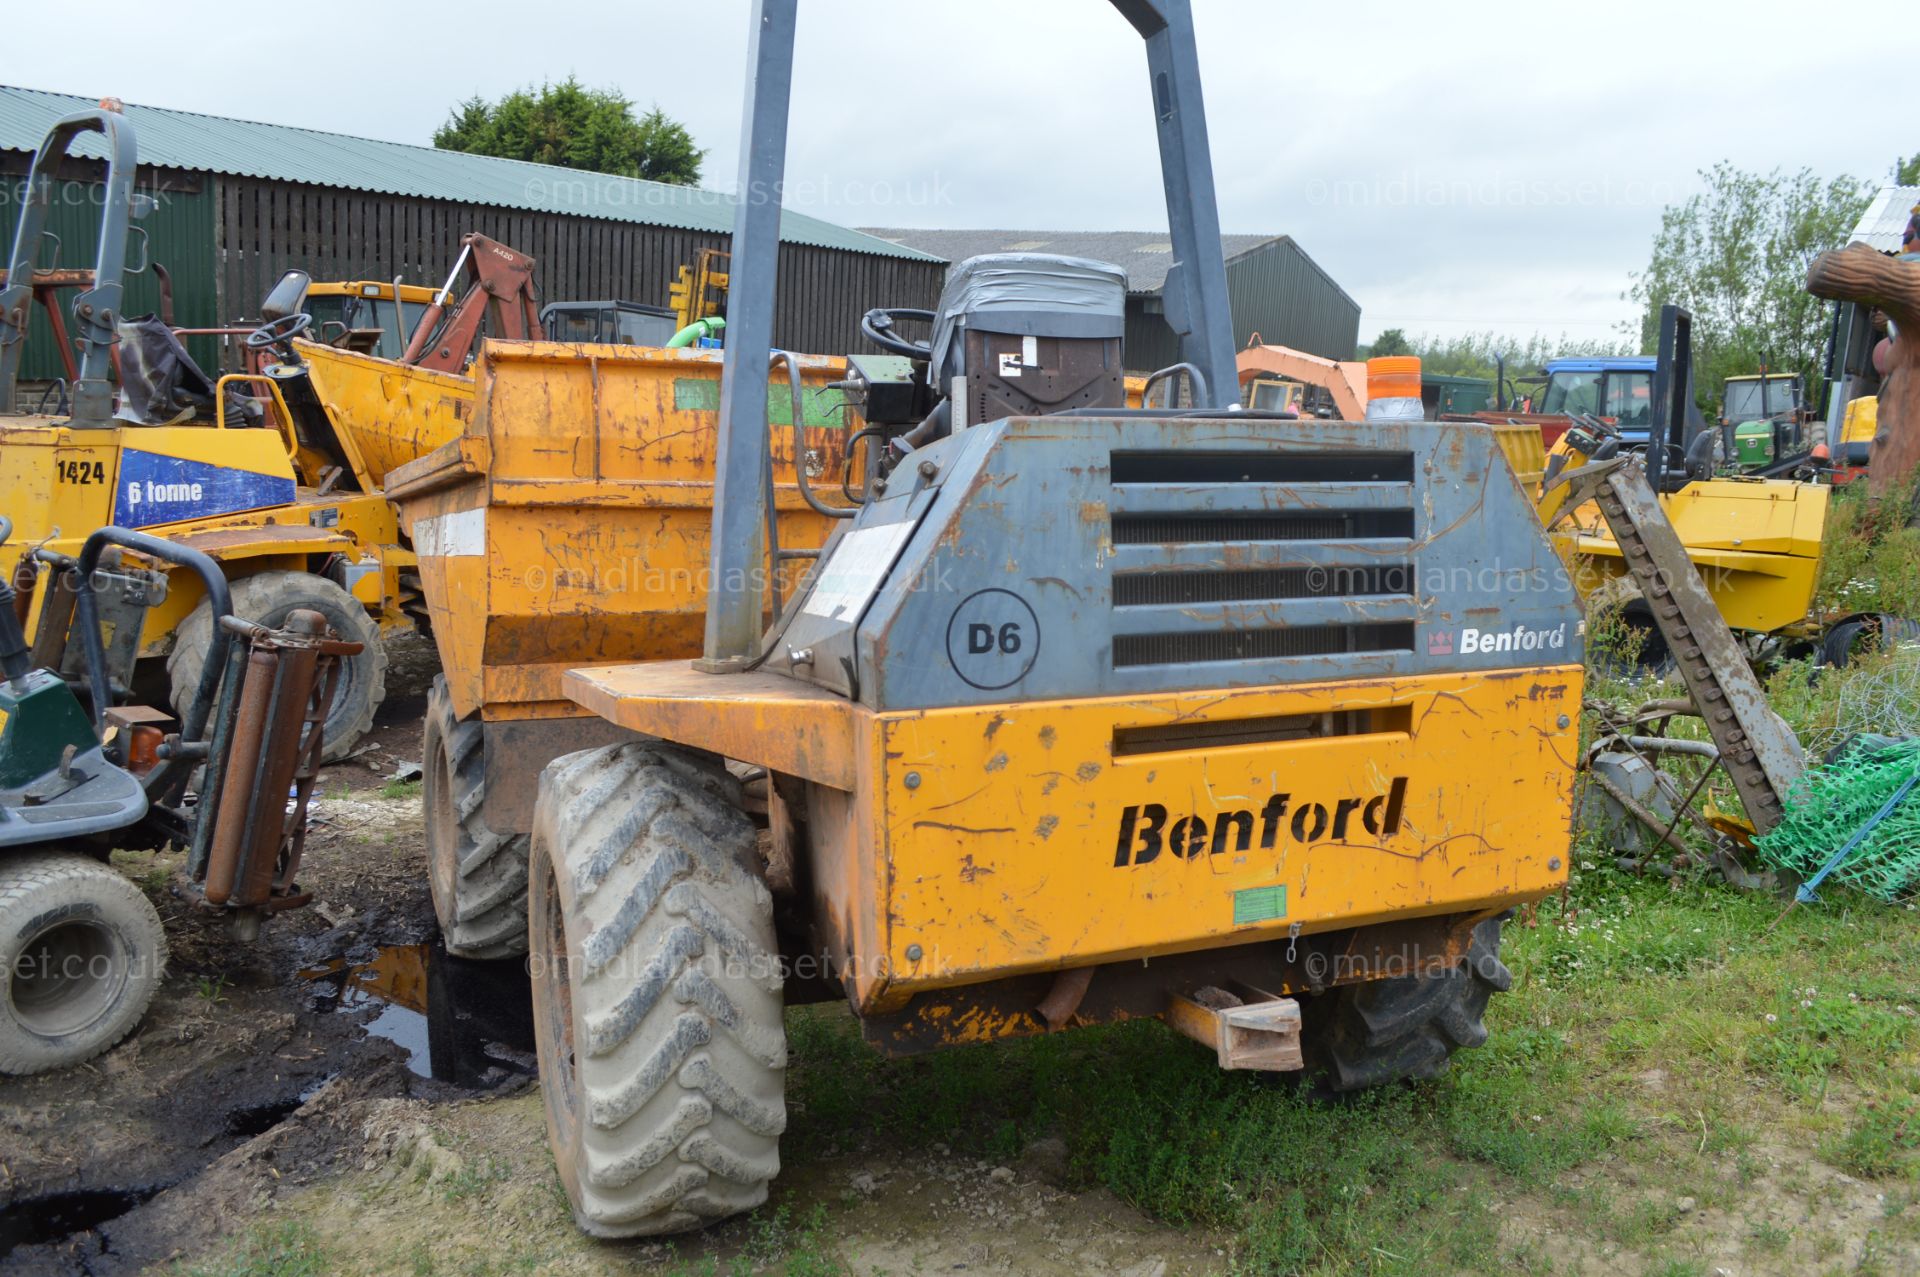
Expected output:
(1455, 169)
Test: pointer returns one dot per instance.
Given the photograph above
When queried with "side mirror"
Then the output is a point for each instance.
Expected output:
(287, 297)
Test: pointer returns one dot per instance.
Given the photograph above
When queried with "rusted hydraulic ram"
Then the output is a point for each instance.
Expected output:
(267, 741)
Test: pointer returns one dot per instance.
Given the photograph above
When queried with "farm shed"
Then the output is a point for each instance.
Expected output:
(240, 202)
(1276, 289)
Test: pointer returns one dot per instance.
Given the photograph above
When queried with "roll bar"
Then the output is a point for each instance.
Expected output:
(1195, 291)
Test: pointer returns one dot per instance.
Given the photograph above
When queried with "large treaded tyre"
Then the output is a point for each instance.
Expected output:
(1407, 1028)
(478, 876)
(656, 990)
(81, 953)
(268, 598)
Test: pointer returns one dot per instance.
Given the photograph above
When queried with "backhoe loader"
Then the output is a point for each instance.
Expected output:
(278, 499)
(1255, 724)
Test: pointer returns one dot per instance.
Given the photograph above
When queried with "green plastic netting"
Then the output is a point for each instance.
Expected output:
(1831, 803)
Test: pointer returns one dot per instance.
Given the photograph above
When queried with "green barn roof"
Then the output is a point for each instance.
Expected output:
(276, 152)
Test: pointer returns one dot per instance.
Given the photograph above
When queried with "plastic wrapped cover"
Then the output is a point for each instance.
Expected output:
(158, 379)
(1036, 294)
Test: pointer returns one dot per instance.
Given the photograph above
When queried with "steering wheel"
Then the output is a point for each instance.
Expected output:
(278, 332)
(877, 327)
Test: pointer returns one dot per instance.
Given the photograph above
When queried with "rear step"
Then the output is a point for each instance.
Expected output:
(1261, 1035)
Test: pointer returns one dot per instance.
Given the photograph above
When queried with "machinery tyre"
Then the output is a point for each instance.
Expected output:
(656, 991)
(1407, 1028)
(268, 598)
(412, 601)
(478, 876)
(1859, 635)
(81, 953)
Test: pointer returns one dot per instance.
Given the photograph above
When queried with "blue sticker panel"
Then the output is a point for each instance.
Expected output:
(161, 489)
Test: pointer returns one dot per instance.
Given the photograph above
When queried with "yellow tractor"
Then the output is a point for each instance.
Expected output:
(1255, 724)
(275, 474)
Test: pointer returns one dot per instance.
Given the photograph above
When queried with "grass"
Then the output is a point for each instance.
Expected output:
(401, 789)
(1870, 561)
(1623, 979)
(282, 1249)
(775, 1243)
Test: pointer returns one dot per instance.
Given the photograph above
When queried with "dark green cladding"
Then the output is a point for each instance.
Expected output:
(179, 236)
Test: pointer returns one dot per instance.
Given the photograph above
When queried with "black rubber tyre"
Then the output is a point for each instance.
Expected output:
(269, 598)
(1859, 635)
(479, 877)
(1366, 1035)
(412, 601)
(656, 991)
(81, 953)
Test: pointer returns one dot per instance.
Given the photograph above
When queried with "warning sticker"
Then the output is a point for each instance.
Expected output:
(1259, 904)
(859, 564)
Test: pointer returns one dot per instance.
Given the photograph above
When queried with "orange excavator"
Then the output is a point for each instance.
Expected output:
(1344, 380)
(499, 289)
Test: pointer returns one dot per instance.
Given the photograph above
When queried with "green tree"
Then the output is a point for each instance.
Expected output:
(575, 127)
(1391, 341)
(1479, 354)
(1736, 256)
(1906, 170)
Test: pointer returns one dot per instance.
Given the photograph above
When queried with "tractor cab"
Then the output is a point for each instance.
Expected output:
(609, 323)
(1618, 390)
(361, 315)
(1764, 416)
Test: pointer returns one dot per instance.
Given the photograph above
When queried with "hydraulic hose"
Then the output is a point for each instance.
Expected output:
(695, 331)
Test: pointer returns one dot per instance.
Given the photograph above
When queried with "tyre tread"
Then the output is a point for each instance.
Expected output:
(678, 1067)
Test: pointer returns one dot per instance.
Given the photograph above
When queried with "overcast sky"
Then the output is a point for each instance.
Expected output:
(1455, 168)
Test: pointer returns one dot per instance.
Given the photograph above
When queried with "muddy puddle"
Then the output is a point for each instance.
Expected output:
(250, 1066)
(468, 1024)
(59, 1217)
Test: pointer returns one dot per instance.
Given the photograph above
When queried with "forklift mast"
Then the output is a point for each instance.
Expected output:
(96, 310)
(1196, 289)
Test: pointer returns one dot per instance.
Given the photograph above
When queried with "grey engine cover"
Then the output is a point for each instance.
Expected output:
(1072, 556)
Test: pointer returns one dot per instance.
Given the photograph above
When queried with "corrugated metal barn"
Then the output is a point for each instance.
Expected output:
(240, 202)
(1276, 289)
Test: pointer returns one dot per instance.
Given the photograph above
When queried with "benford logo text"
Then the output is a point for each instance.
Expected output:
(1518, 639)
(1145, 831)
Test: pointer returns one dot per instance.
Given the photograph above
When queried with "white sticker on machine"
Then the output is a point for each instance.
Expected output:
(443, 535)
(859, 563)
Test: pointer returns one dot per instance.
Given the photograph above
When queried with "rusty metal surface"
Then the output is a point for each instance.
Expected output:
(1759, 751)
(274, 749)
(233, 831)
(269, 538)
(1140, 990)
(516, 750)
(775, 721)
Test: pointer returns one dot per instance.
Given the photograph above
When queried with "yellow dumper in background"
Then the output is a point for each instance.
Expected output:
(567, 524)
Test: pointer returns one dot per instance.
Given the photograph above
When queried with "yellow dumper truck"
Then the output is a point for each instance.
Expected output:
(1085, 712)
(570, 521)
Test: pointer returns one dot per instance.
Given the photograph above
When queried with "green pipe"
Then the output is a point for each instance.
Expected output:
(695, 331)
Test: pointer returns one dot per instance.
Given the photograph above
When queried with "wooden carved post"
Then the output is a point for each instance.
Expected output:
(1858, 273)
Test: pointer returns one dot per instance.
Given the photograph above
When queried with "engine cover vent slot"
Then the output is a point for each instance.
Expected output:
(1261, 467)
(1375, 580)
(1130, 650)
(1173, 738)
(1284, 525)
